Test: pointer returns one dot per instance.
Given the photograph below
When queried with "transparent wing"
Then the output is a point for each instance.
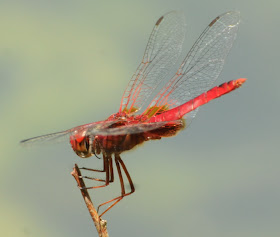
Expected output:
(162, 51)
(52, 137)
(130, 129)
(64, 135)
(202, 65)
(102, 128)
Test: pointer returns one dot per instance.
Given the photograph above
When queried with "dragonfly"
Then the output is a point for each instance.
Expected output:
(172, 107)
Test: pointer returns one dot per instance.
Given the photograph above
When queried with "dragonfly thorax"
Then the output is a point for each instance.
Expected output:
(85, 145)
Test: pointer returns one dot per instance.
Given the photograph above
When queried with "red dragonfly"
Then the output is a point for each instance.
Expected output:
(171, 109)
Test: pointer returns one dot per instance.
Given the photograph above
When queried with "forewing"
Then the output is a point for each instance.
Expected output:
(102, 128)
(64, 135)
(52, 137)
(162, 51)
(203, 63)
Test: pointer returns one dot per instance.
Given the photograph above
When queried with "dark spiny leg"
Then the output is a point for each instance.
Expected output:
(117, 199)
(132, 189)
(111, 169)
(119, 161)
(96, 170)
(106, 169)
(120, 175)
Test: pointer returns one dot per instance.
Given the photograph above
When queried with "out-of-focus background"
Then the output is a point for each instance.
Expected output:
(66, 63)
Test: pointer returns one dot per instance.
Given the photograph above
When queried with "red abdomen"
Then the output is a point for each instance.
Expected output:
(215, 92)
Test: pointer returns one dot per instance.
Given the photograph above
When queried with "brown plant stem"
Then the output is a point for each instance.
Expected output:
(101, 225)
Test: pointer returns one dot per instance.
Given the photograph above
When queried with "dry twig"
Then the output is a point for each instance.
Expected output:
(101, 225)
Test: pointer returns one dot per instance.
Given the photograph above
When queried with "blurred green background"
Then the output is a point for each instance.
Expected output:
(66, 63)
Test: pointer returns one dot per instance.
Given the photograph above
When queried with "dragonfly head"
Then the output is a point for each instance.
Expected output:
(81, 145)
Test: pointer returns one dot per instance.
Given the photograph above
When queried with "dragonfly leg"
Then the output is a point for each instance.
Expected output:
(108, 169)
(111, 170)
(96, 170)
(120, 164)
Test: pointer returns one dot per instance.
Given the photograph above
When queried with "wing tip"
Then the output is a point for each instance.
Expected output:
(233, 14)
(27, 142)
(213, 22)
(24, 143)
(159, 20)
(171, 14)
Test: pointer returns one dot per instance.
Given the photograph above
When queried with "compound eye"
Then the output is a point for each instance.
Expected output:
(82, 148)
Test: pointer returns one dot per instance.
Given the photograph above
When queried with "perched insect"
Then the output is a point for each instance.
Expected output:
(175, 105)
